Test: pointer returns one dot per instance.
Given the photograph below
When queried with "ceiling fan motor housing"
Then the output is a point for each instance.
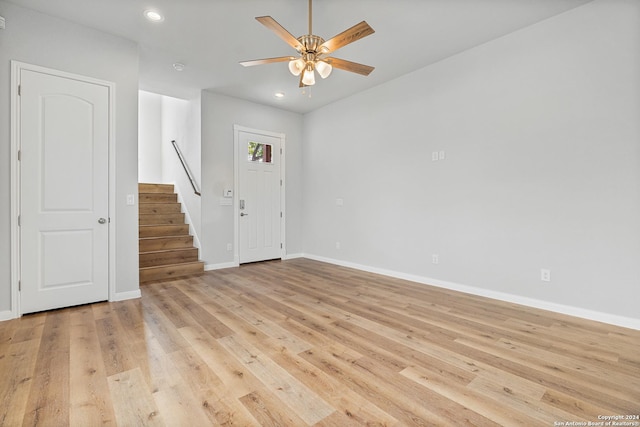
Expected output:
(310, 43)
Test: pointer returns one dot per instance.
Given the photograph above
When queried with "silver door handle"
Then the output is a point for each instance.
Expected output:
(102, 221)
(243, 214)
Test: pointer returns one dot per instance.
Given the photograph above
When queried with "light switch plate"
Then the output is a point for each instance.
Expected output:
(545, 275)
(131, 199)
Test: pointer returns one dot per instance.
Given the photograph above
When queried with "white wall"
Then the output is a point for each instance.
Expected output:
(181, 122)
(149, 137)
(219, 114)
(39, 39)
(541, 134)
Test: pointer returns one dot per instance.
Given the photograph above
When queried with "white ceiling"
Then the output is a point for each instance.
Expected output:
(211, 36)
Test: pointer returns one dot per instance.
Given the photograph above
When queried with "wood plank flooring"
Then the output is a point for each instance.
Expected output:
(303, 343)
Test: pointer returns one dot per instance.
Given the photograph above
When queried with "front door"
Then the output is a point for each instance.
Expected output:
(64, 190)
(259, 185)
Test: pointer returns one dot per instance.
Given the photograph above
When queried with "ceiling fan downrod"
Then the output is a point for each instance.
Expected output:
(310, 18)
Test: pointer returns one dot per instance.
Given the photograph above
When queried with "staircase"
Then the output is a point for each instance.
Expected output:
(166, 248)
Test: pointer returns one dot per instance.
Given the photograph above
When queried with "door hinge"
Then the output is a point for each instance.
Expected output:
(19, 221)
(19, 285)
(19, 155)
(281, 151)
(280, 214)
(19, 90)
(280, 245)
(280, 183)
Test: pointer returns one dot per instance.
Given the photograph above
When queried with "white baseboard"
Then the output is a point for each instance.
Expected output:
(122, 296)
(6, 315)
(232, 264)
(211, 267)
(612, 319)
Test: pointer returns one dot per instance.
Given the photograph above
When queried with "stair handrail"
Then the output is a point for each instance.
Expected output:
(184, 166)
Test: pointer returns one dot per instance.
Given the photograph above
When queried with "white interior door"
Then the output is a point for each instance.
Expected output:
(258, 199)
(64, 191)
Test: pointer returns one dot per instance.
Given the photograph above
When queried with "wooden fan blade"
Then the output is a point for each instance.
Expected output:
(354, 67)
(354, 33)
(267, 61)
(281, 32)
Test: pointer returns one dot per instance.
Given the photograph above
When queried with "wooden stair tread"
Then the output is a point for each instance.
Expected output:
(159, 230)
(160, 219)
(161, 214)
(168, 257)
(147, 226)
(160, 208)
(155, 188)
(168, 250)
(174, 265)
(171, 271)
(166, 237)
(144, 198)
(160, 243)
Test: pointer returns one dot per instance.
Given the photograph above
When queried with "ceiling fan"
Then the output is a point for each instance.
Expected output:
(314, 51)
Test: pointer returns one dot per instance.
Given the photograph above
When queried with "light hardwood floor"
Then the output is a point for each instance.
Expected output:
(300, 343)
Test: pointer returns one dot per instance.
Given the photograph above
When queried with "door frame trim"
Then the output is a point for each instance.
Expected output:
(236, 180)
(16, 68)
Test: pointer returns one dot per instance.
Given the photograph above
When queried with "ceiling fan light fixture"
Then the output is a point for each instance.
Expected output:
(296, 66)
(309, 78)
(324, 69)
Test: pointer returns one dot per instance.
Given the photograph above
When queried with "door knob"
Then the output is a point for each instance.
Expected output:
(102, 221)
(243, 214)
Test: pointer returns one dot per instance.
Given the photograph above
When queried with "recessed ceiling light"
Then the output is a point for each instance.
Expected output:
(178, 66)
(153, 15)
(279, 94)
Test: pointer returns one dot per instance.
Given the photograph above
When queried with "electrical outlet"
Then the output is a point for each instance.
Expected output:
(545, 275)
(434, 156)
(441, 155)
(435, 259)
(229, 247)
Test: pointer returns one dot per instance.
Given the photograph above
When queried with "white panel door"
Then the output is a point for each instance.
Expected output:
(259, 197)
(64, 194)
